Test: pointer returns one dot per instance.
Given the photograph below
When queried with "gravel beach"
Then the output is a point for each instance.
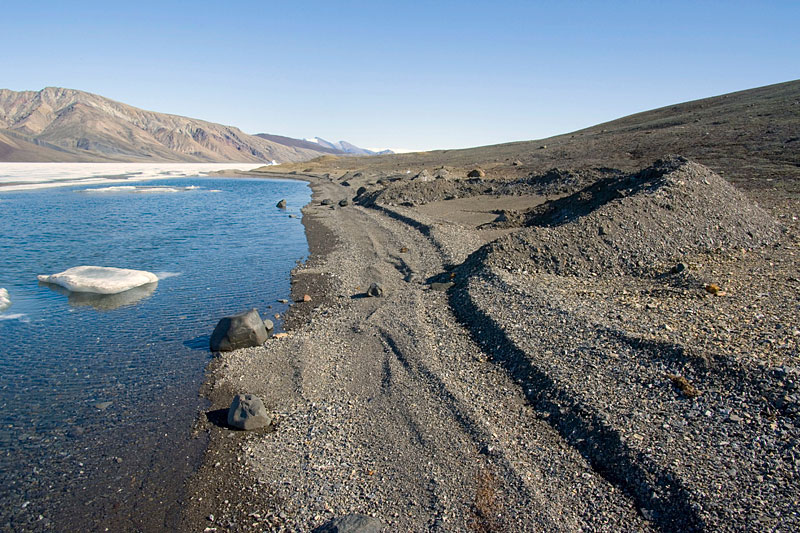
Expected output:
(608, 362)
(609, 345)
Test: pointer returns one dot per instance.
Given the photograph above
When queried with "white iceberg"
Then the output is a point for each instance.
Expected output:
(5, 301)
(100, 280)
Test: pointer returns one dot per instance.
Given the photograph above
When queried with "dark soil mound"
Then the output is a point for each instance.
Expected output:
(636, 224)
(419, 192)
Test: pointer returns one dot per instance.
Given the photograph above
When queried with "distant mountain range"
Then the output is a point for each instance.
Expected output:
(57, 124)
(346, 147)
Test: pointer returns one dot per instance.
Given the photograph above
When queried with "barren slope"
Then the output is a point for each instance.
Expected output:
(69, 125)
(750, 137)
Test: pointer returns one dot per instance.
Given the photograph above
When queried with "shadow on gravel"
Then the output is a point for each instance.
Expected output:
(583, 430)
(218, 417)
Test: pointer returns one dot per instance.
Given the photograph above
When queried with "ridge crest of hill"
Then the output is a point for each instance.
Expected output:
(57, 124)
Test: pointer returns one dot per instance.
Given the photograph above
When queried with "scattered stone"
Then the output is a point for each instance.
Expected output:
(375, 290)
(269, 326)
(283, 301)
(306, 298)
(280, 335)
(345, 183)
(517, 163)
(714, 289)
(281, 204)
(248, 412)
(423, 177)
(476, 173)
(238, 331)
(441, 286)
(344, 202)
(403, 250)
(103, 405)
(326, 201)
(542, 147)
(293, 216)
(352, 523)
(680, 267)
(360, 191)
(688, 390)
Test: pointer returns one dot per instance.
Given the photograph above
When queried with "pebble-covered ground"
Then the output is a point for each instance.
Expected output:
(623, 361)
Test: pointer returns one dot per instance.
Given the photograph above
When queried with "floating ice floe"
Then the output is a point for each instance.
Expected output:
(165, 275)
(100, 280)
(22, 317)
(140, 189)
(5, 301)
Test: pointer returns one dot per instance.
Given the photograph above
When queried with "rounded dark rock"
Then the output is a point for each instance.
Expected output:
(247, 412)
(352, 523)
(238, 331)
(375, 290)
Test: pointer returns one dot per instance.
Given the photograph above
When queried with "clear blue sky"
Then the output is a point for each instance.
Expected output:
(400, 74)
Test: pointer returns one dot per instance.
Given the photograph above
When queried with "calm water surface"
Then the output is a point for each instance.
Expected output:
(98, 394)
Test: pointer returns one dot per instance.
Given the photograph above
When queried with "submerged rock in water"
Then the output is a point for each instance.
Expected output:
(100, 280)
(5, 301)
(248, 412)
(238, 331)
(281, 204)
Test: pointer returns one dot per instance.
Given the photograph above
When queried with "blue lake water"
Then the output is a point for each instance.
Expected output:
(219, 246)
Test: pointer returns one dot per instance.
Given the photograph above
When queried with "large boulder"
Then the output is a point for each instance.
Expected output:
(352, 523)
(238, 331)
(248, 412)
(476, 173)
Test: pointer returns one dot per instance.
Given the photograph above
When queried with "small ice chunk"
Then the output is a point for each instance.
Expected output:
(100, 280)
(5, 301)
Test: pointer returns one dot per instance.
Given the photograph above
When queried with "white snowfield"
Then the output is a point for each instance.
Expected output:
(100, 280)
(5, 301)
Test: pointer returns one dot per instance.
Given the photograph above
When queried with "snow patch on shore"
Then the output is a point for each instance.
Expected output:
(100, 280)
